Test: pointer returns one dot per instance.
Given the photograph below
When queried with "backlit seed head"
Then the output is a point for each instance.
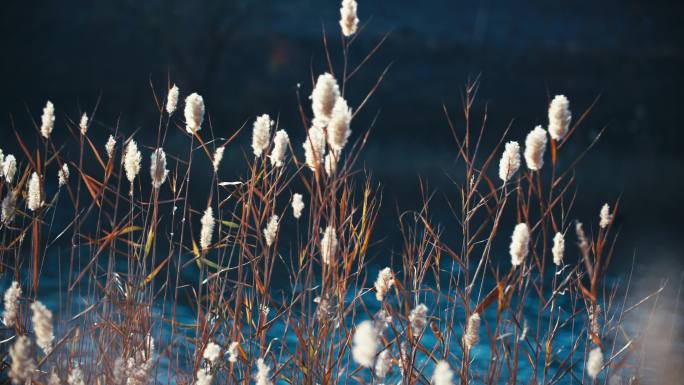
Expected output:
(194, 113)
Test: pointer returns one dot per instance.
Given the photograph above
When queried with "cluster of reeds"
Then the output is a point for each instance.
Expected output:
(275, 266)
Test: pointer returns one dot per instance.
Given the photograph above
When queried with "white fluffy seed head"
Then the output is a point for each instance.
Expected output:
(233, 352)
(280, 143)
(594, 363)
(204, 377)
(132, 160)
(34, 199)
(472, 334)
(2, 160)
(263, 374)
(23, 366)
(535, 146)
(297, 205)
(383, 283)
(9, 168)
(349, 20)
(261, 134)
(582, 240)
(418, 319)
(365, 344)
(12, 295)
(218, 156)
(54, 378)
(47, 120)
(338, 127)
(314, 146)
(194, 113)
(510, 161)
(63, 175)
(330, 164)
(211, 352)
(9, 207)
(324, 96)
(41, 318)
(271, 230)
(83, 124)
(383, 363)
(76, 376)
(328, 245)
(443, 375)
(158, 170)
(558, 248)
(559, 117)
(172, 100)
(605, 216)
(207, 231)
(519, 244)
(109, 147)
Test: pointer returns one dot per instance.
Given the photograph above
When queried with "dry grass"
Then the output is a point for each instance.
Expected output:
(134, 266)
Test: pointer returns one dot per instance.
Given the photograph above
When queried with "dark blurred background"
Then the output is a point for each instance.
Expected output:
(247, 57)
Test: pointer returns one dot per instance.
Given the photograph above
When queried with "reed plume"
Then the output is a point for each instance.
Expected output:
(109, 146)
(297, 205)
(132, 160)
(172, 100)
(535, 146)
(558, 248)
(383, 364)
(261, 134)
(42, 325)
(314, 146)
(218, 156)
(207, 231)
(365, 344)
(338, 127)
(204, 377)
(63, 175)
(211, 352)
(158, 170)
(263, 374)
(418, 319)
(280, 143)
(9, 168)
(510, 161)
(442, 375)
(519, 244)
(271, 230)
(559, 117)
(76, 376)
(233, 352)
(594, 363)
(47, 120)
(23, 366)
(83, 124)
(605, 216)
(328, 245)
(330, 164)
(34, 199)
(194, 113)
(383, 283)
(12, 295)
(323, 97)
(9, 207)
(472, 334)
(348, 18)
(54, 378)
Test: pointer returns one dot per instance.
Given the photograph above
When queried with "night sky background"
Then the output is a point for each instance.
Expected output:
(247, 57)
